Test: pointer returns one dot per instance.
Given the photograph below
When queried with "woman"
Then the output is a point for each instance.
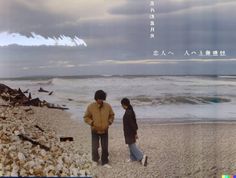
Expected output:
(130, 132)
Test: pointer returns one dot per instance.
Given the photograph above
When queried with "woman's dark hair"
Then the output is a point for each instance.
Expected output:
(126, 102)
(100, 94)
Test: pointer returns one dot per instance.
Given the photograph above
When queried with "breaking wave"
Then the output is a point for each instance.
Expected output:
(166, 100)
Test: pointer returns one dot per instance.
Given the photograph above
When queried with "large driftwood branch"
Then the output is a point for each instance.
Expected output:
(25, 138)
(17, 97)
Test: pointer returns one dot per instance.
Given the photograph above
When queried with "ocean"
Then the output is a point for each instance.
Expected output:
(154, 98)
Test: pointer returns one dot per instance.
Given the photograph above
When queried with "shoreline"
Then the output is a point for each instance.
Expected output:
(188, 122)
(166, 121)
(152, 121)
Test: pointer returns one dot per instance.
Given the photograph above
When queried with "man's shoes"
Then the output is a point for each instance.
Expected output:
(144, 160)
(94, 163)
(107, 166)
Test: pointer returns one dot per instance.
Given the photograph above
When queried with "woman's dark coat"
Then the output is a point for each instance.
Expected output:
(130, 126)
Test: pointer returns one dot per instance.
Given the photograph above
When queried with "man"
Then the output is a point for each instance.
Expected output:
(99, 115)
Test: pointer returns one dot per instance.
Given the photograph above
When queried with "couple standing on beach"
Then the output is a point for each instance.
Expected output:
(99, 115)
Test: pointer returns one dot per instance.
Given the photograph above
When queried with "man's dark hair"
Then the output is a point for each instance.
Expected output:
(100, 94)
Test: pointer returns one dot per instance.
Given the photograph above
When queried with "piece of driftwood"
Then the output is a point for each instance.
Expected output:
(64, 139)
(20, 92)
(25, 138)
(50, 93)
(26, 91)
(5, 105)
(6, 89)
(39, 128)
(42, 90)
(27, 109)
(3, 118)
(33, 102)
(14, 97)
(53, 106)
(30, 97)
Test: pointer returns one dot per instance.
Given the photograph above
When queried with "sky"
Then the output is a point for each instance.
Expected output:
(101, 37)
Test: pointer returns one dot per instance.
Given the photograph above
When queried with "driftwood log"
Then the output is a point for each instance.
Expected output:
(28, 109)
(64, 139)
(36, 126)
(26, 91)
(3, 117)
(42, 90)
(54, 106)
(5, 105)
(35, 143)
(6, 89)
(33, 102)
(17, 97)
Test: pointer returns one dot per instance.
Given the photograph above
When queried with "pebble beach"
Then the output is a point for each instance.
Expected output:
(43, 154)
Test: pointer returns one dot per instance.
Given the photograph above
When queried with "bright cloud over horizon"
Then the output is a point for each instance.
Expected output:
(38, 40)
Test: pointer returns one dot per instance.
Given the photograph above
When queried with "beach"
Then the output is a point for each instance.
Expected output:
(173, 149)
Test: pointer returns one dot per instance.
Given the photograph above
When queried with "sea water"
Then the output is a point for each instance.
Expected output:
(154, 98)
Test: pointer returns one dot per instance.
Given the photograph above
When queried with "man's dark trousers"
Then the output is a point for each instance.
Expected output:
(95, 145)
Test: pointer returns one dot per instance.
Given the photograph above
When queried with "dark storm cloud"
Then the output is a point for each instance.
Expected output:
(16, 17)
